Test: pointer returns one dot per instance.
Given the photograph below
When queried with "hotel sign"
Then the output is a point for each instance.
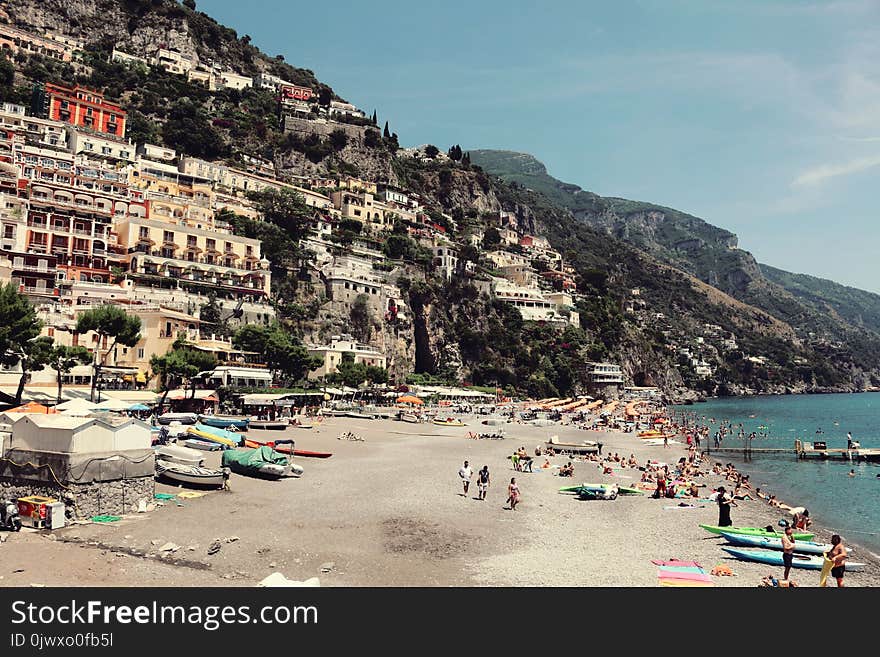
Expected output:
(292, 92)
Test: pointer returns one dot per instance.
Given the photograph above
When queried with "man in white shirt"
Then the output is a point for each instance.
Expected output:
(466, 473)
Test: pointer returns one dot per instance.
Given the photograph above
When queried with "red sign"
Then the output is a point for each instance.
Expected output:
(292, 92)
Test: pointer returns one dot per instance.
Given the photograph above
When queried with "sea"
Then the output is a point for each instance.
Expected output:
(847, 505)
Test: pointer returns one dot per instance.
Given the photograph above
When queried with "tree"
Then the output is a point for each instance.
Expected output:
(491, 237)
(432, 151)
(210, 314)
(280, 350)
(188, 130)
(284, 208)
(35, 357)
(374, 119)
(361, 318)
(466, 159)
(180, 365)
(191, 4)
(454, 153)
(62, 359)
(107, 322)
(19, 328)
(386, 133)
(338, 139)
(325, 95)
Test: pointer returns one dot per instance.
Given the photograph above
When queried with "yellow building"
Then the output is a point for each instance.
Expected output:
(188, 257)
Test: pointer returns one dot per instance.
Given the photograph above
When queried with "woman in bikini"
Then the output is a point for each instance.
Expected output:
(513, 493)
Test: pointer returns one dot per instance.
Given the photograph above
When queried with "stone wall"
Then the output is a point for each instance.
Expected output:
(322, 129)
(83, 501)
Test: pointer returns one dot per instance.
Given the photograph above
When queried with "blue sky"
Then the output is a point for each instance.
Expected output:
(760, 116)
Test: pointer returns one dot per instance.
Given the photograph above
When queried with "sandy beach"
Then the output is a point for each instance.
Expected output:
(388, 511)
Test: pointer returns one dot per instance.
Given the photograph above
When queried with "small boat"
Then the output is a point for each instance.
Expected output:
(226, 421)
(410, 417)
(774, 558)
(805, 547)
(191, 474)
(180, 454)
(448, 422)
(204, 445)
(262, 461)
(216, 435)
(756, 531)
(584, 447)
(598, 492)
(270, 425)
(183, 418)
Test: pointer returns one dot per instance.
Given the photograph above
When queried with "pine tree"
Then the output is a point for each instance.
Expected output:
(466, 159)
(386, 133)
(374, 117)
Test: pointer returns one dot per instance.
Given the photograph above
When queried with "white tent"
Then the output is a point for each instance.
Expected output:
(74, 411)
(112, 405)
(77, 403)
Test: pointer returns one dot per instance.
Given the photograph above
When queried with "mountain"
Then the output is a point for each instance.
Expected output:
(855, 306)
(664, 294)
(821, 313)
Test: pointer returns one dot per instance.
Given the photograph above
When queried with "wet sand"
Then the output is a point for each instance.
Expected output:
(389, 511)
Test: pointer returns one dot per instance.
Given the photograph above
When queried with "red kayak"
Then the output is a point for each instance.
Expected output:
(286, 450)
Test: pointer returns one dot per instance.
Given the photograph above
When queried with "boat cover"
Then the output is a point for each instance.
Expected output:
(251, 460)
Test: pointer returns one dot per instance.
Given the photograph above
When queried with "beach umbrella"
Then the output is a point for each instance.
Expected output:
(32, 407)
(409, 399)
(138, 407)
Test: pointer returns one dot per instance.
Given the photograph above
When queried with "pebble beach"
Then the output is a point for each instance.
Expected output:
(388, 511)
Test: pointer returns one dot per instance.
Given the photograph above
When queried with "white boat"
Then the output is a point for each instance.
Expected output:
(204, 445)
(410, 417)
(183, 418)
(180, 454)
(191, 474)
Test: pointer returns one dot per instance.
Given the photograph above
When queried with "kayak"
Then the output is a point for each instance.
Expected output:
(756, 531)
(774, 558)
(215, 435)
(448, 422)
(805, 547)
(626, 490)
(286, 450)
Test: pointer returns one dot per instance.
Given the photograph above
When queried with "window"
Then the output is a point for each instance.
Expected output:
(106, 150)
(141, 353)
(144, 232)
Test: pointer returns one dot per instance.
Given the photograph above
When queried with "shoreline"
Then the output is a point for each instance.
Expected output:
(388, 511)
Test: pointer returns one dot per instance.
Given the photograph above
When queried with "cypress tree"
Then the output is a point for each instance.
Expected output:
(386, 133)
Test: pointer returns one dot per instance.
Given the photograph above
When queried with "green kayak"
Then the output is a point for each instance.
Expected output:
(756, 531)
(626, 490)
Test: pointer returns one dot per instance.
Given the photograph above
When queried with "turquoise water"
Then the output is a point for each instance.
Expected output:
(847, 505)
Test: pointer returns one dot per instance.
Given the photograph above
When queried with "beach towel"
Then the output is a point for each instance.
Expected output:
(673, 572)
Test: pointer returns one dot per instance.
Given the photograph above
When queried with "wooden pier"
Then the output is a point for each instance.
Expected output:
(802, 450)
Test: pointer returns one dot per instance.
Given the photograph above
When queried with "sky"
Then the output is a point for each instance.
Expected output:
(759, 116)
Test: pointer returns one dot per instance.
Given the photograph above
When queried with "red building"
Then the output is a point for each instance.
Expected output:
(86, 108)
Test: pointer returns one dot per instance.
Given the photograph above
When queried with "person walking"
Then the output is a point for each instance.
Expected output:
(787, 550)
(466, 473)
(513, 493)
(724, 501)
(838, 556)
(483, 482)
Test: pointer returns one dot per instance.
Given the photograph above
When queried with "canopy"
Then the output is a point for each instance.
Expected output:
(32, 407)
(77, 403)
(113, 405)
(409, 399)
(138, 407)
(77, 412)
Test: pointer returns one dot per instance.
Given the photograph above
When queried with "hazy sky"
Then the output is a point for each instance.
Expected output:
(760, 116)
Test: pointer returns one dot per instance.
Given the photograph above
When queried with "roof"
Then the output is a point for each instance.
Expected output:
(59, 421)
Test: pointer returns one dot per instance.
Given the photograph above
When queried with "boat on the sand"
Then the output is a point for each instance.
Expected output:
(804, 547)
(180, 454)
(191, 474)
(269, 425)
(448, 422)
(756, 531)
(240, 422)
(774, 558)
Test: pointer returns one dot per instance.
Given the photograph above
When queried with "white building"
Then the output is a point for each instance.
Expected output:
(604, 373)
(333, 353)
(102, 147)
(232, 80)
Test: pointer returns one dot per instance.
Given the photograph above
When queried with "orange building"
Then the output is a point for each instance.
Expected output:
(84, 107)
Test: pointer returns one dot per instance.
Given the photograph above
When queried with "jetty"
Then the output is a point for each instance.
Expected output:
(804, 450)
